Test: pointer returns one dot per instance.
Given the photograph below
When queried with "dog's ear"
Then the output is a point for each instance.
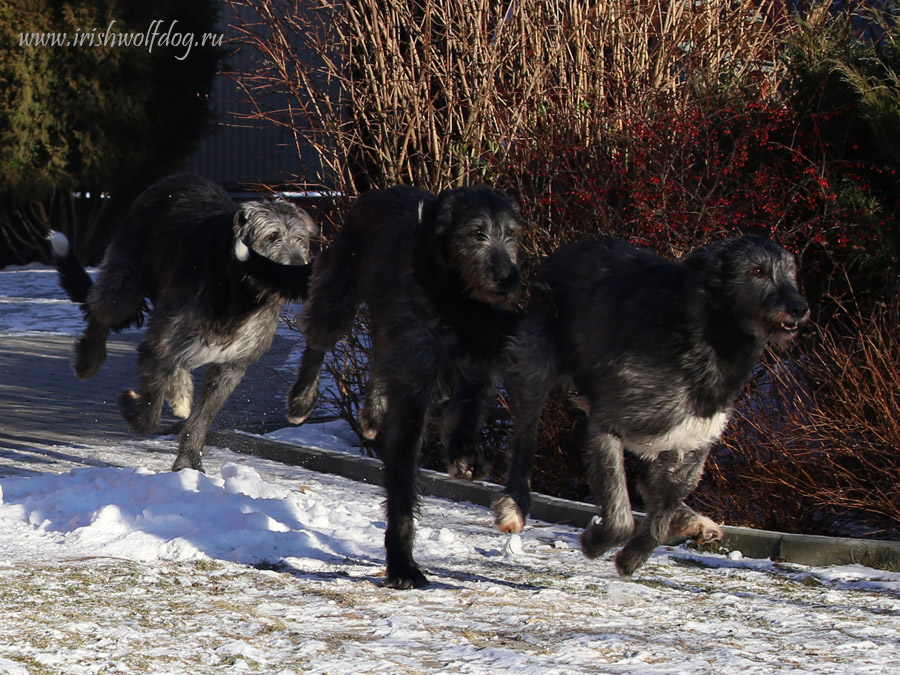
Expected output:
(239, 222)
(436, 215)
(515, 197)
(312, 229)
(705, 257)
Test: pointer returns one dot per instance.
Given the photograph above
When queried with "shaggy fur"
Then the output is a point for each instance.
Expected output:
(657, 352)
(175, 249)
(437, 274)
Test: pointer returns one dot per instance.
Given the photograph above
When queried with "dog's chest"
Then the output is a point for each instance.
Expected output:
(691, 433)
(241, 340)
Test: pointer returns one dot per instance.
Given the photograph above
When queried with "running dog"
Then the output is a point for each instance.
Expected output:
(437, 273)
(176, 251)
(657, 351)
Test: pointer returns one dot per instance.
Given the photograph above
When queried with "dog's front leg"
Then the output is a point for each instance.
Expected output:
(180, 392)
(606, 464)
(401, 439)
(221, 380)
(669, 480)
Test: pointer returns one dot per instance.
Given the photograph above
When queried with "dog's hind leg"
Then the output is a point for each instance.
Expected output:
(305, 390)
(221, 380)
(669, 479)
(180, 392)
(401, 439)
(463, 419)
(606, 467)
(688, 523)
(371, 417)
(143, 411)
(90, 349)
(116, 299)
(529, 379)
(327, 316)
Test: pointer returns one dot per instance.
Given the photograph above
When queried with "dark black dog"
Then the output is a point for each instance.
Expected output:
(437, 274)
(657, 351)
(176, 248)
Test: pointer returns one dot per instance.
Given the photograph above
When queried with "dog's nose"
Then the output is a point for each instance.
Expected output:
(507, 279)
(798, 310)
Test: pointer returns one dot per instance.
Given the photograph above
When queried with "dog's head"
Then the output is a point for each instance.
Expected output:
(476, 231)
(754, 279)
(276, 230)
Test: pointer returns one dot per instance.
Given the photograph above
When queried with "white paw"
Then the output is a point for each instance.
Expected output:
(507, 516)
(181, 409)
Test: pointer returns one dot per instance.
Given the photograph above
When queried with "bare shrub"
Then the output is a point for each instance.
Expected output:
(440, 93)
(810, 449)
(431, 92)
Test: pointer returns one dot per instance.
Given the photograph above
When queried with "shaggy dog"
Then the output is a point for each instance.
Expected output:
(175, 249)
(437, 274)
(657, 351)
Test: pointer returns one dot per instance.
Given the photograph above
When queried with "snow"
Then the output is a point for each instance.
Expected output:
(111, 564)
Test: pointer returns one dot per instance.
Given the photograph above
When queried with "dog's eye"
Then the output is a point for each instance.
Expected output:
(758, 271)
(273, 237)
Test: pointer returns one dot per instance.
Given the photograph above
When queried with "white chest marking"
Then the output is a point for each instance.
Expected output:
(692, 433)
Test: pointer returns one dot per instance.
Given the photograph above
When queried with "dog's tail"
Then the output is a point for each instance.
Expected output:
(73, 278)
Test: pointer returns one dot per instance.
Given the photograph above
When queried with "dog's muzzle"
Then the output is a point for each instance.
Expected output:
(795, 314)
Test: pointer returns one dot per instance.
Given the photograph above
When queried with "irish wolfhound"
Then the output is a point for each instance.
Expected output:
(657, 351)
(175, 248)
(437, 274)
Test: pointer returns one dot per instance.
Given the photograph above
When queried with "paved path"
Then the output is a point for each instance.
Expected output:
(42, 402)
(44, 408)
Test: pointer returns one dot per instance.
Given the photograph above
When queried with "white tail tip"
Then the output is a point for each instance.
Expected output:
(241, 252)
(59, 243)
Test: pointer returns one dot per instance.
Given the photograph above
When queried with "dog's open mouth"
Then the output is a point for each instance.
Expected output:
(784, 330)
(789, 328)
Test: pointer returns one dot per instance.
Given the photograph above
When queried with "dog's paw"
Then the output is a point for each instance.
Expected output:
(300, 404)
(470, 467)
(136, 412)
(369, 424)
(598, 537)
(89, 357)
(629, 559)
(701, 529)
(508, 517)
(188, 460)
(181, 407)
(407, 579)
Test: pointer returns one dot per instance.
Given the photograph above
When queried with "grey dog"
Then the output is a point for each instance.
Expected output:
(176, 249)
(657, 351)
(438, 273)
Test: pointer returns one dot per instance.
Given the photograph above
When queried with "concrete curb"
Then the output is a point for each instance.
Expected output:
(810, 550)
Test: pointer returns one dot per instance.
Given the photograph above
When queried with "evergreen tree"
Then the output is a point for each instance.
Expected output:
(82, 112)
